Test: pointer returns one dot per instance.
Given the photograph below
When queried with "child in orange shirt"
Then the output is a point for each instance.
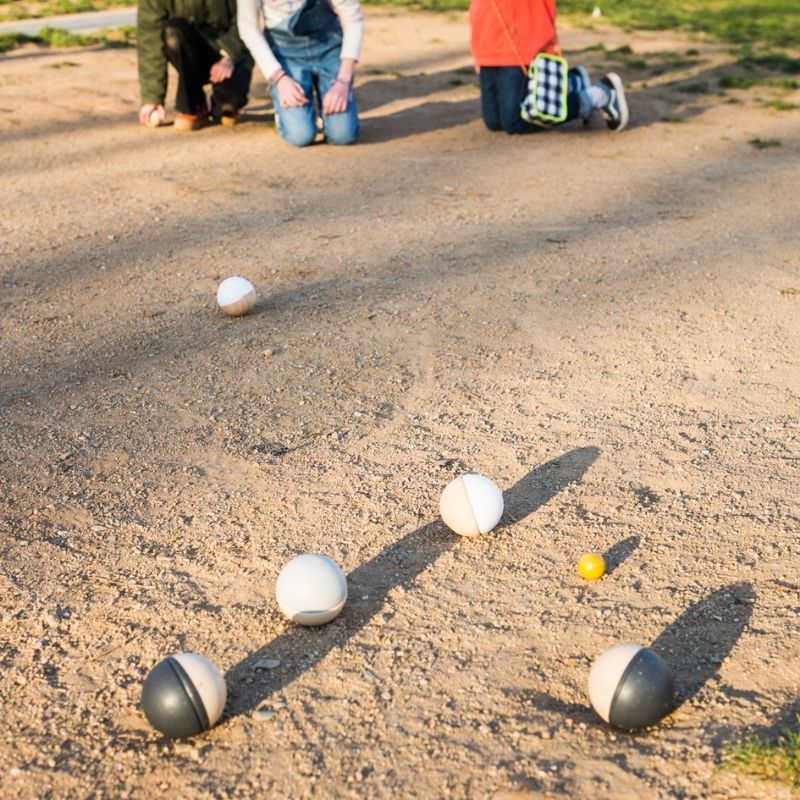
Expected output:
(506, 35)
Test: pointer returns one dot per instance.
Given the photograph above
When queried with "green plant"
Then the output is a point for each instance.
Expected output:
(700, 87)
(124, 36)
(781, 105)
(738, 82)
(17, 10)
(764, 144)
(773, 760)
(779, 62)
(742, 21)
(10, 41)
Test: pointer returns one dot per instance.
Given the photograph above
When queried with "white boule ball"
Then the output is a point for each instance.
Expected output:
(471, 505)
(155, 118)
(311, 589)
(236, 296)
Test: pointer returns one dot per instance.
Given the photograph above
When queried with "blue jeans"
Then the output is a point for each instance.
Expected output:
(502, 91)
(313, 61)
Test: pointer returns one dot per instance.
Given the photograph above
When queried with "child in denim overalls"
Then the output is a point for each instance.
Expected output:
(308, 51)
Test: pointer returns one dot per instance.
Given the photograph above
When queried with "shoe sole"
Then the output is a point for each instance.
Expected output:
(228, 122)
(616, 82)
(189, 125)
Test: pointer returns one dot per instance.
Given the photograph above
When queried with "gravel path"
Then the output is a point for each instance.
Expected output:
(606, 325)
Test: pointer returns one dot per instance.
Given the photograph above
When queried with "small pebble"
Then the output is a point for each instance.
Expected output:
(264, 714)
(268, 663)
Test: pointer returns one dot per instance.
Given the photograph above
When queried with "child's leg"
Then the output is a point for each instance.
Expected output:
(297, 126)
(490, 102)
(340, 128)
(510, 88)
(230, 95)
(502, 91)
(192, 57)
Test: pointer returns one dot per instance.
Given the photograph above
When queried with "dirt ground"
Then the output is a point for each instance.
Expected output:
(604, 324)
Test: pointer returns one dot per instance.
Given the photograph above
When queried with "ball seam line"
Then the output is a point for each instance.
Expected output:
(471, 509)
(191, 692)
(621, 682)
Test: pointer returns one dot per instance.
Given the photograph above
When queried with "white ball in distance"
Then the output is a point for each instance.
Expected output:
(471, 505)
(311, 589)
(154, 119)
(236, 296)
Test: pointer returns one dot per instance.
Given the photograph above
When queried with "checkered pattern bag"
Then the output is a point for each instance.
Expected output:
(546, 101)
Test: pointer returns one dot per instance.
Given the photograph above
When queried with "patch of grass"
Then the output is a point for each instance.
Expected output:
(17, 9)
(775, 22)
(675, 119)
(636, 63)
(701, 87)
(61, 64)
(771, 760)
(10, 41)
(764, 144)
(58, 37)
(124, 36)
(780, 105)
(778, 62)
(784, 84)
(738, 82)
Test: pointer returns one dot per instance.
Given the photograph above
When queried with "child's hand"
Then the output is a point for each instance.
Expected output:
(152, 115)
(335, 101)
(290, 93)
(221, 71)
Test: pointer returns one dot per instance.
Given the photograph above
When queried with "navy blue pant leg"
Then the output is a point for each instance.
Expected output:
(502, 91)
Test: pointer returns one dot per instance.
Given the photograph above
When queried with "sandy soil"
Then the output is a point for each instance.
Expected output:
(606, 325)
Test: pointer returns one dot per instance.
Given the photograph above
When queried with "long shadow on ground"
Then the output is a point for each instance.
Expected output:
(693, 646)
(701, 638)
(299, 649)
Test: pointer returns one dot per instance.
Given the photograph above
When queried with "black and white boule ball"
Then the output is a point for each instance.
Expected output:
(631, 687)
(184, 695)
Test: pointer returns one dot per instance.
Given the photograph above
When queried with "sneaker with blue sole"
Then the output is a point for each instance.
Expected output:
(616, 110)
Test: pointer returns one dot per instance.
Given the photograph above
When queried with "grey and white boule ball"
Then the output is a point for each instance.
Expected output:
(631, 687)
(184, 695)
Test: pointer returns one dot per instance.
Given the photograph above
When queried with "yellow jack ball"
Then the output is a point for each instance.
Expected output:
(592, 566)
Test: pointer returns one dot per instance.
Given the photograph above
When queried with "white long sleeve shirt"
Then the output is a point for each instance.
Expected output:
(276, 11)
